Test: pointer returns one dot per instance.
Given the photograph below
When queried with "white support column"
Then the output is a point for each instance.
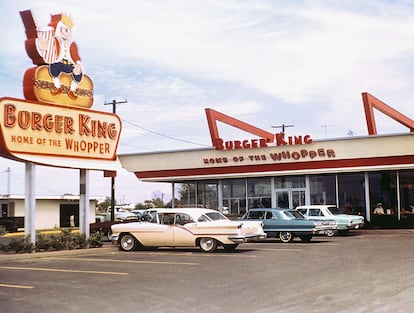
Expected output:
(273, 192)
(173, 195)
(30, 202)
(220, 195)
(196, 194)
(84, 215)
(307, 192)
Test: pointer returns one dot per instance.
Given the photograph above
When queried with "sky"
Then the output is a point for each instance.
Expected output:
(267, 63)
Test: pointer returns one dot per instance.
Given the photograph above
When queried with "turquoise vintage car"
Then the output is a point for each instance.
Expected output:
(345, 222)
(287, 224)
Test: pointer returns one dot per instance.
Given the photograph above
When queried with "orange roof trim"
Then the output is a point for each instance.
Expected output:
(370, 102)
(214, 116)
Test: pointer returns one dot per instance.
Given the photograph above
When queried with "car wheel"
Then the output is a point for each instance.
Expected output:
(128, 242)
(231, 247)
(306, 238)
(286, 236)
(208, 244)
(330, 233)
(109, 234)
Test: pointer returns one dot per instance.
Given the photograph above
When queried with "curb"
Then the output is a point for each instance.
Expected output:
(48, 254)
(43, 232)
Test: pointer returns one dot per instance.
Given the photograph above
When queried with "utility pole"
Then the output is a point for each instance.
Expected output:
(325, 126)
(283, 126)
(114, 103)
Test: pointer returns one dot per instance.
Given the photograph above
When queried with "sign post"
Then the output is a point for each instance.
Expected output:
(30, 203)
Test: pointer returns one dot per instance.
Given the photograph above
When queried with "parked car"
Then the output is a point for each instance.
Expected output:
(138, 212)
(287, 224)
(104, 227)
(149, 215)
(12, 224)
(120, 214)
(345, 222)
(186, 227)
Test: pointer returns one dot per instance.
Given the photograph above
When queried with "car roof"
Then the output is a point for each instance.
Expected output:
(316, 206)
(195, 213)
(268, 209)
(189, 211)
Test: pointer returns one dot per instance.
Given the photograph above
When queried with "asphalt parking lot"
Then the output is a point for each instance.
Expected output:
(366, 271)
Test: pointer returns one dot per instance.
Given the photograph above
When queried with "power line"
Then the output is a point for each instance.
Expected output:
(165, 136)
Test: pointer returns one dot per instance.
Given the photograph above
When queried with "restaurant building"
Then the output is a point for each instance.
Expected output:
(52, 211)
(275, 170)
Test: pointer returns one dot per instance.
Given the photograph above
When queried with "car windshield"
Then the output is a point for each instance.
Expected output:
(255, 215)
(294, 214)
(335, 211)
(215, 216)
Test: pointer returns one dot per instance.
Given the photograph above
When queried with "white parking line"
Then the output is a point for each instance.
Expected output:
(60, 270)
(121, 261)
(16, 286)
(190, 254)
(279, 249)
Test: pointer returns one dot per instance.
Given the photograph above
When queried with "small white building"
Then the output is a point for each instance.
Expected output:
(51, 211)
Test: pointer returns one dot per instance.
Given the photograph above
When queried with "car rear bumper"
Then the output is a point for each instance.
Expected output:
(245, 238)
(324, 231)
(355, 226)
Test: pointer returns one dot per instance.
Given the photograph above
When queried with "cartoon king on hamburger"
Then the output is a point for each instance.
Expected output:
(61, 53)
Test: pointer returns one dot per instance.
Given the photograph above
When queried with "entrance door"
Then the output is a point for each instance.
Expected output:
(290, 198)
(4, 210)
(69, 215)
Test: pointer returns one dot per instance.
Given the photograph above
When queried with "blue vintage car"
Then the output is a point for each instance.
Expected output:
(287, 224)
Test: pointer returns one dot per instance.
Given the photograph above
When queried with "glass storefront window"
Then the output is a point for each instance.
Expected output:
(407, 193)
(351, 191)
(322, 189)
(285, 182)
(383, 189)
(259, 192)
(234, 196)
(234, 188)
(207, 195)
(187, 193)
(258, 187)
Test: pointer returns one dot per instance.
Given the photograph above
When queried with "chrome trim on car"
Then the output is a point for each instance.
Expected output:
(114, 239)
(246, 238)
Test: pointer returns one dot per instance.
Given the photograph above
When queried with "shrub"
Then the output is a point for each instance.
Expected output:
(65, 241)
(42, 243)
(19, 245)
(95, 240)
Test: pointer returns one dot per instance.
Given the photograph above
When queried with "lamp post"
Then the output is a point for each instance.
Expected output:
(114, 103)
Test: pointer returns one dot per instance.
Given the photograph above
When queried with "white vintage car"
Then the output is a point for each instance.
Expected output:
(345, 222)
(186, 227)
